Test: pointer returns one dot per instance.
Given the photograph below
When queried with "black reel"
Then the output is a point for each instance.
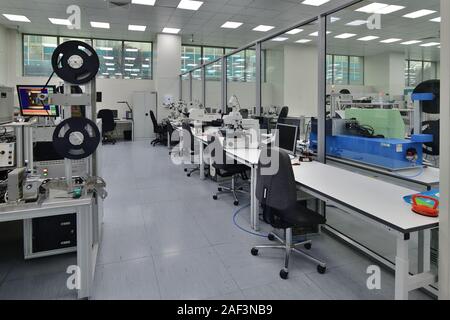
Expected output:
(75, 62)
(76, 138)
(430, 86)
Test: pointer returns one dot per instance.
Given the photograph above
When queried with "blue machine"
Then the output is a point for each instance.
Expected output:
(390, 154)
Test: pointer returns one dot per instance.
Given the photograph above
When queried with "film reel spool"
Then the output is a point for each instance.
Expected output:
(430, 86)
(76, 138)
(75, 62)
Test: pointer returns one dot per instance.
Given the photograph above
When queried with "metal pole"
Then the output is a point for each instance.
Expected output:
(204, 86)
(259, 78)
(224, 91)
(190, 86)
(444, 224)
(180, 92)
(321, 100)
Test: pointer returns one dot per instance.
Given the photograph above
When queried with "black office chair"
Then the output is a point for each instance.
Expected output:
(345, 91)
(108, 126)
(159, 130)
(277, 194)
(244, 113)
(170, 130)
(188, 147)
(283, 113)
(227, 168)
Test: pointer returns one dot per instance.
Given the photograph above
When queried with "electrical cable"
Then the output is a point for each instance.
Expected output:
(236, 214)
(421, 171)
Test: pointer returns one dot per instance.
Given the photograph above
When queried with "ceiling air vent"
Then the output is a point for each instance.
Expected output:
(125, 4)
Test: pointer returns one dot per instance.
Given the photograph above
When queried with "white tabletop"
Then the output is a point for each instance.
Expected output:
(429, 176)
(378, 200)
(247, 156)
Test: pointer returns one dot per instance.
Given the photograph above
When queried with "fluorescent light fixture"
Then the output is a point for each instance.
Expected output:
(390, 9)
(105, 74)
(49, 45)
(407, 43)
(380, 8)
(334, 19)
(145, 66)
(303, 41)
(135, 27)
(131, 50)
(315, 3)
(345, 36)
(100, 25)
(190, 4)
(129, 65)
(430, 44)
(391, 40)
(130, 58)
(104, 48)
(191, 65)
(134, 74)
(418, 14)
(171, 30)
(316, 34)
(109, 64)
(128, 70)
(111, 69)
(61, 22)
(118, 74)
(294, 31)
(231, 25)
(144, 2)
(263, 28)
(438, 19)
(16, 17)
(368, 38)
(356, 23)
(184, 57)
(280, 39)
(108, 58)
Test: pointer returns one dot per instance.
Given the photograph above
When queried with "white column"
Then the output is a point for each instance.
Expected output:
(444, 227)
(167, 60)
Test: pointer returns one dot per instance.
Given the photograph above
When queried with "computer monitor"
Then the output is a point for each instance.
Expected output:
(32, 105)
(287, 137)
(293, 121)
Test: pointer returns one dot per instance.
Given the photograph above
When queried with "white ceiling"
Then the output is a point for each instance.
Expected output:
(203, 24)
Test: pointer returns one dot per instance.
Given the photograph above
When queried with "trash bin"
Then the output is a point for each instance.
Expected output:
(127, 135)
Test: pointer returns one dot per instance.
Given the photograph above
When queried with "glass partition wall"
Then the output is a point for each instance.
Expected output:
(375, 57)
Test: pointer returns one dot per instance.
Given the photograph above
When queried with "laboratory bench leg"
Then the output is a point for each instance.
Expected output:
(254, 203)
(84, 252)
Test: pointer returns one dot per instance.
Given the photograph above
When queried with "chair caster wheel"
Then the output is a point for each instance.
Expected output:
(271, 237)
(188, 175)
(236, 203)
(284, 274)
(321, 269)
(219, 189)
(308, 246)
(254, 252)
(215, 197)
(185, 170)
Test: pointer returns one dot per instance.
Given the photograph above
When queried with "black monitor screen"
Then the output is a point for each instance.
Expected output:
(34, 102)
(287, 137)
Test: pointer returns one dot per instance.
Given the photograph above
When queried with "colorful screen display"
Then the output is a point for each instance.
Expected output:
(34, 101)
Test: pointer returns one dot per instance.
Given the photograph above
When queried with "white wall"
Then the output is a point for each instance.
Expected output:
(386, 73)
(3, 56)
(301, 80)
(167, 62)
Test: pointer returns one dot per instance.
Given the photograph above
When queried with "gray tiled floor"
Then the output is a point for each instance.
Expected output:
(165, 238)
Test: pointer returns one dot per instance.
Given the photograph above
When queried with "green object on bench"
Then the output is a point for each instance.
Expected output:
(386, 122)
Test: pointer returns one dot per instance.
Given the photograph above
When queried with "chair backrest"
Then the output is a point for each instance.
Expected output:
(244, 113)
(188, 135)
(344, 91)
(279, 190)
(154, 121)
(107, 117)
(283, 113)
(219, 158)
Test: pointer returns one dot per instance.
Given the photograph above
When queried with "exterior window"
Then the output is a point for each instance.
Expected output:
(190, 58)
(110, 54)
(37, 55)
(137, 60)
(118, 59)
(345, 70)
(417, 71)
